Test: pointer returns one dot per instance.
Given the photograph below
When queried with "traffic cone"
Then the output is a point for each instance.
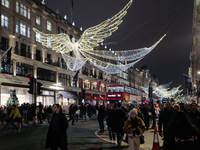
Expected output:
(156, 145)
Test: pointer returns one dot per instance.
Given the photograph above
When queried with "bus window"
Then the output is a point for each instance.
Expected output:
(115, 89)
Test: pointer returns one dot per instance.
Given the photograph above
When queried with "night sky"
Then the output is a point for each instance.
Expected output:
(145, 22)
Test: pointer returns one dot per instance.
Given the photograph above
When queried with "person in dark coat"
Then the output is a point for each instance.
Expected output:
(40, 113)
(187, 108)
(89, 110)
(101, 116)
(145, 111)
(181, 134)
(57, 135)
(140, 114)
(33, 114)
(49, 112)
(195, 115)
(119, 117)
(165, 116)
(72, 113)
(84, 112)
(109, 117)
(153, 115)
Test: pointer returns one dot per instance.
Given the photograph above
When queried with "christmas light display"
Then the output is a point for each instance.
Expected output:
(84, 49)
(162, 91)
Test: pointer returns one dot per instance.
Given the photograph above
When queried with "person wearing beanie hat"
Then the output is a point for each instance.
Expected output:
(134, 127)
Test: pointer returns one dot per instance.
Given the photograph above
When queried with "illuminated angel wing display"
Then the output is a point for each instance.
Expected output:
(83, 49)
(163, 92)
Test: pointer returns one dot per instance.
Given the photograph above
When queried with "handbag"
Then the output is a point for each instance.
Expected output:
(142, 139)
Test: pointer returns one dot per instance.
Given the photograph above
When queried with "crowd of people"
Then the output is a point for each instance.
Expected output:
(29, 112)
(178, 124)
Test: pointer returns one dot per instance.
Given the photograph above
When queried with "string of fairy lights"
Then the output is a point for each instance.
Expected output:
(86, 48)
(163, 91)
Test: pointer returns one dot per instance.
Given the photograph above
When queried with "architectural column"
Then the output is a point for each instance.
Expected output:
(55, 97)
(35, 71)
(56, 77)
(34, 99)
(14, 68)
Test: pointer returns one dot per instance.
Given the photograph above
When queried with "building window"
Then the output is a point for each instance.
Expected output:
(38, 55)
(23, 50)
(22, 29)
(64, 79)
(29, 32)
(44, 74)
(4, 21)
(6, 68)
(23, 10)
(29, 52)
(49, 25)
(17, 6)
(4, 42)
(16, 48)
(24, 70)
(38, 19)
(29, 13)
(17, 27)
(62, 30)
(5, 3)
(38, 37)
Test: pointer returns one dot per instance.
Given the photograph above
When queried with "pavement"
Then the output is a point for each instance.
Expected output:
(148, 137)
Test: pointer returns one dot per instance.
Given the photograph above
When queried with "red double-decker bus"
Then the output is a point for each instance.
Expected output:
(123, 93)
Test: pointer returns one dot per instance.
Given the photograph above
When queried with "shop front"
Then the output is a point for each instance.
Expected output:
(89, 99)
(99, 98)
(8, 93)
(67, 98)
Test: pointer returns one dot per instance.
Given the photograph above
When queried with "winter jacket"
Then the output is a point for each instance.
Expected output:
(165, 117)
(16, 113)
(140, 127)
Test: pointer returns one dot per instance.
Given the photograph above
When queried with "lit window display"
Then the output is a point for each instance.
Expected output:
(102, 87)
(86, 84)
(94, 86)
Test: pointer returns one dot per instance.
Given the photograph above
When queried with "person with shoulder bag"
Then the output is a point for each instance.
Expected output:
(134, 128)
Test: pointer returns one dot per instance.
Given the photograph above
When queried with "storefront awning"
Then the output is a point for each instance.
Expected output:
(71, 95)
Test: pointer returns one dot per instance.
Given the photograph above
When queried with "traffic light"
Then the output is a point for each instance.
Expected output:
(31, 82)
(9, 56)
(39, 92)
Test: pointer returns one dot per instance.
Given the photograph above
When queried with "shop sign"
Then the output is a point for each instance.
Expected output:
(98, 97)
(88, 97)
